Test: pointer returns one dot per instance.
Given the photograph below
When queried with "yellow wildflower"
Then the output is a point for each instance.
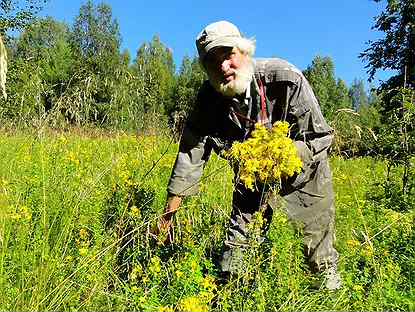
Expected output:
(280, 218)
(72, 158)
(267, 156)
(368, 251)
(274, 252)
(135, 212)
(206, 296)
(62, 140)
(192, 303)
(25, 213)
(15, 216)
(155, 265)
(83, 234)
(352, 243)
(83, 251)
(136, 272)
(179, 273)
(3, 184)
(194, 266)
(208, 283)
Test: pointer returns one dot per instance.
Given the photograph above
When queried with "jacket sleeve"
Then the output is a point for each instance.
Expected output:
(310, 126)
(188, 168)
(311, 133)
(194, 151)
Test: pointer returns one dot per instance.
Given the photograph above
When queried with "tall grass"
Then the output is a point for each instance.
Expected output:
(75, 214)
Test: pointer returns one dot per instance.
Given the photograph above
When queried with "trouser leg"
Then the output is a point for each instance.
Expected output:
(309, 200)
(312, 204)
(244, 205)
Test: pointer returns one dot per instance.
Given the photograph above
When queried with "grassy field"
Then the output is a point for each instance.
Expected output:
(76, 209)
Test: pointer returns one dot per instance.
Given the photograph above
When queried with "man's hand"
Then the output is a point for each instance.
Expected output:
(164, 231)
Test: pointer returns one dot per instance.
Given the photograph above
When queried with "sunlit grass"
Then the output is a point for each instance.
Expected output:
(76, 209)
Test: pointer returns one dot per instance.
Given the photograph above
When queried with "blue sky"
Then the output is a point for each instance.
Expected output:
(294, 30)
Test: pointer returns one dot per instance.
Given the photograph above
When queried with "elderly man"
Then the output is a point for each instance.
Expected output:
(240, 92)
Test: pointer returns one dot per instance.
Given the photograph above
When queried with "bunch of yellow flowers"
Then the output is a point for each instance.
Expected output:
(267, 156)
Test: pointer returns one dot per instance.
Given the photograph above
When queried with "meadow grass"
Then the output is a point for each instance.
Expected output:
(75, 215)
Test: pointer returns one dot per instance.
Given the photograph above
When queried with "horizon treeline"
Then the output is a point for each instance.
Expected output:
(77, 75)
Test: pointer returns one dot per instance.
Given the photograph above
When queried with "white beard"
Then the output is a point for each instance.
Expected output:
(242, 80)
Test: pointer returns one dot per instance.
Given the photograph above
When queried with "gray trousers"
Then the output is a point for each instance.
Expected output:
(307, 198)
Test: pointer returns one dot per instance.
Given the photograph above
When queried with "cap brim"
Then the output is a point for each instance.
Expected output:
(222, 42)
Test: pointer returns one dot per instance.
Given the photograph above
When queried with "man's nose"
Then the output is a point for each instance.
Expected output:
(226, 64)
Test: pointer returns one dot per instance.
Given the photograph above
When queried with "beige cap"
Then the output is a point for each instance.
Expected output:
(218, 34)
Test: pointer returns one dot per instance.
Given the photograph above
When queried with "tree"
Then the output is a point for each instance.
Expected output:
(95, 40)
(46, 42)
(96, 37)
(155, 67)
(341, 96)
(14, 15)
(40, 67)
(397, 146)
(358, 94)
(189, 81)
(17, 14)
(373, 96)
(39, 37)
(331, 94)
(396, 51)
(396, 142)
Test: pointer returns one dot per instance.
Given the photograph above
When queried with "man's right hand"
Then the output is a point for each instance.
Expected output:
(163, 232)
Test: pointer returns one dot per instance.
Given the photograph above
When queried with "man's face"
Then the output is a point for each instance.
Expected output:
(230, 71)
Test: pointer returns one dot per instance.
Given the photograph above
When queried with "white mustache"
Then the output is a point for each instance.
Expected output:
(241, 81)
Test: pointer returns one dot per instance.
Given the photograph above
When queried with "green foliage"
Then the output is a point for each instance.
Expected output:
(189, 81)
(75, 75)
(356, 132)
(96, 40)
(59, 76)
(331, 95)
(39, 68)
(398, 133)
(341, 95)
(374, 242)
(396, 50)
(75, 210)
(96, 33)
(46, 43)
(24, 93)
(39, 37)
(397, 147)
(74, 219)
(154, 66)
(358, 94)
(17, 14)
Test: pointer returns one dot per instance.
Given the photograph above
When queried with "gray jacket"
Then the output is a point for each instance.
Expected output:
(217, 121)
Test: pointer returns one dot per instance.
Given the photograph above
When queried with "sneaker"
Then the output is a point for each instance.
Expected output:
(332, 278)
